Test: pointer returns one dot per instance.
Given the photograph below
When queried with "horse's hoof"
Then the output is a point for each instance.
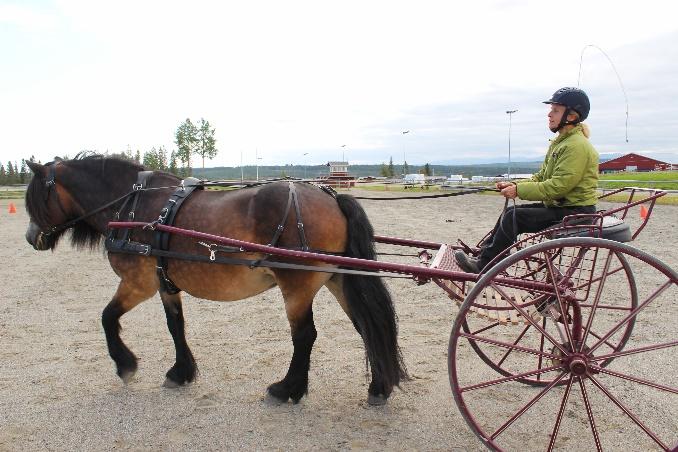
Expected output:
(171, 384)
(376, 400)
(276, 394)
(126, 377)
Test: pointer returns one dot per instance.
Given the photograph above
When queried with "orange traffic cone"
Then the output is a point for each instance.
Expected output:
(643, 212)
(12, 208)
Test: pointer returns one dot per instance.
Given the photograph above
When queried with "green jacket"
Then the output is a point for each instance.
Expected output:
(569, 174)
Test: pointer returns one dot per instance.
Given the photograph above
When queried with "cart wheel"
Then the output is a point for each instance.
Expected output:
(606, 385)
(619, 301)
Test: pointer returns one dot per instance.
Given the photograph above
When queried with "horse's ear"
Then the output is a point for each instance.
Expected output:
(38, 168)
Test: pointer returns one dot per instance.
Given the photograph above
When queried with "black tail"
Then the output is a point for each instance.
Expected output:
(370, 303)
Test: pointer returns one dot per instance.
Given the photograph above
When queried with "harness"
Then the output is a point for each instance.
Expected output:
(161, 239)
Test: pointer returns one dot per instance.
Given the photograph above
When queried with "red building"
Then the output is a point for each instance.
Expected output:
(633, 162)
(339, 176)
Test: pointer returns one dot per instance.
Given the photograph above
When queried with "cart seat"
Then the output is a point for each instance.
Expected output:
(613, 229)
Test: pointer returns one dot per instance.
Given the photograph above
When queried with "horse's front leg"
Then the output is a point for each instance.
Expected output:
(184, 369)
(129, 294)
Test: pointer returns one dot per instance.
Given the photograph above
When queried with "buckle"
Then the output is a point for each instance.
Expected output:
(137, 187)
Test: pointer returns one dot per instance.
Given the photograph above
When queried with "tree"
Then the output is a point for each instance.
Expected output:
(11, 174)
(383, 171)
(23, 172)
(206, 145)
(137, 156)
(162, 158)
(186, 139)
(427, 170)
(391, 169)
(406, 168)
(172, 167)
(3, 175)
(151, 160)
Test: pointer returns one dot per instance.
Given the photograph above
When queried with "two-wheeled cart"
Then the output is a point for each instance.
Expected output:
(563, 342)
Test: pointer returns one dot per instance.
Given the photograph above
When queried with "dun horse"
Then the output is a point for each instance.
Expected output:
(68, 190)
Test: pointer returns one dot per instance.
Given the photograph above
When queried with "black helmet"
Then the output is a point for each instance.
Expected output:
(574, 99)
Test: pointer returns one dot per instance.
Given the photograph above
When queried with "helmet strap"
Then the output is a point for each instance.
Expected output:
(564, 122)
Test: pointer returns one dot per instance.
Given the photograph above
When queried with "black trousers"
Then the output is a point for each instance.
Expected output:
(528, 218)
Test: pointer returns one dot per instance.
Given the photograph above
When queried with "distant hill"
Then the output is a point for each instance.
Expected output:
(249, 172)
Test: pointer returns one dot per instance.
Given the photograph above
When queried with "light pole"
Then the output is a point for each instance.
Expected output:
(256, 161)
(305, 154)
(510, 113)
(343, 148)
(404, 132)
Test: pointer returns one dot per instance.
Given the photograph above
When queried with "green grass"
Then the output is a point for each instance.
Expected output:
(666, 180)
(13, 194)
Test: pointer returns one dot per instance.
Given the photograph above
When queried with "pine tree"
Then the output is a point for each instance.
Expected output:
(11, 174)
(23, 173)
(383, 171)
(162, 158)
(137, 156)
(172, 167)
(406, 168)
(186, 139)
(206, 145)
(391, 169)
(3, 175)
(427, 170)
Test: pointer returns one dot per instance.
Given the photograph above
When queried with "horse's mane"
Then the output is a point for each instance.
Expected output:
(110, 169)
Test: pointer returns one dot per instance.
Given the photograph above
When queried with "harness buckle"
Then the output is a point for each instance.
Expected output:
(281, 227)
(130, 215)
(137, 187)
(50, 183)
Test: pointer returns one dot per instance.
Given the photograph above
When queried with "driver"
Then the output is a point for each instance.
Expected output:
(564, 185)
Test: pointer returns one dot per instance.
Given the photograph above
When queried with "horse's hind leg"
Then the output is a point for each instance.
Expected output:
(298, 290)
(129, 294)
(184, 369)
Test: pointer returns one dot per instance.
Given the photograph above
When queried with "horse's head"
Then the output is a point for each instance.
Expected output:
(49, 205)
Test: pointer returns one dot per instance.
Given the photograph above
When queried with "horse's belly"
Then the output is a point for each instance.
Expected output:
(220, 282)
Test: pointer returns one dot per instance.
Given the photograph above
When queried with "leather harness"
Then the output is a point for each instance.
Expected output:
(168, 214)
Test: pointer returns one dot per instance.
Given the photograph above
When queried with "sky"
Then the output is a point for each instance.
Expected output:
(306, 82)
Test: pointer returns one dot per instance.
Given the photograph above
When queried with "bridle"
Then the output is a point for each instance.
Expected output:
(50, 184)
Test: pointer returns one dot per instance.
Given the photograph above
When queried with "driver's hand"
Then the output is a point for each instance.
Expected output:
(503, 185)
(510, 192)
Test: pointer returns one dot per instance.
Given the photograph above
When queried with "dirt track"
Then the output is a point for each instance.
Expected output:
(59, 391)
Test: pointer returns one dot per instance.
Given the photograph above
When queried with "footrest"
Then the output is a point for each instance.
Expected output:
(457, 291)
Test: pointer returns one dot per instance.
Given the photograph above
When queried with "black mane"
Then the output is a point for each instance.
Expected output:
(109, 169)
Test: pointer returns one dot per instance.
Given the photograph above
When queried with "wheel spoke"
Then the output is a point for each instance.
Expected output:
(597, 336)
(486, 328)
(563, 310)
(471, 337)
(541, 347)
(529, 405)
(633, 351)
(590, 414)
(634, 379)
(511, 378)
(631, 315)
(559, 418)
(529, 318)
(596, 300)
(508, 352)
(611, 272)
(628, 412)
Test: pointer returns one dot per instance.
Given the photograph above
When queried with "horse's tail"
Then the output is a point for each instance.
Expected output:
(370, 303)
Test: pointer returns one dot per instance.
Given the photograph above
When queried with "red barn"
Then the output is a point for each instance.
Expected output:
(633, 162)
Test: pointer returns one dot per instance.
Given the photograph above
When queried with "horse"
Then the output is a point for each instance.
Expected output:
(84, 194)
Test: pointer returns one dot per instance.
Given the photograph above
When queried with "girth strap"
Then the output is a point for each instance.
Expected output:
(167, 216)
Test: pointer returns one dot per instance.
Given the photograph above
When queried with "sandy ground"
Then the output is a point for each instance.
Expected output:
(59, 391)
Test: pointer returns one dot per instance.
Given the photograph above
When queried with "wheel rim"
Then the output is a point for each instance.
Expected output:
(590, 384)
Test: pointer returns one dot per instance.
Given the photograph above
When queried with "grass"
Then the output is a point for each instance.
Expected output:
(13, 194)
(666, 180)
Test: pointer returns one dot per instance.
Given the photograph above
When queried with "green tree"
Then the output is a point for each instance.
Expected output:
(186, 139)
(391, 169)
(406, 168)
(137, 156)
(3, 175)
(172, 167)
(383, 171)
(151, 160)
(206, 145)
(11, 174)
(427, 170)
(162, 158)
(23, 172)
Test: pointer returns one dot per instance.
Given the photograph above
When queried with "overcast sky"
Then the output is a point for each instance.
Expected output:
(288, 78)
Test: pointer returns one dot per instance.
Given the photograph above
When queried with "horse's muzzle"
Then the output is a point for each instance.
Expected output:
(36, 238)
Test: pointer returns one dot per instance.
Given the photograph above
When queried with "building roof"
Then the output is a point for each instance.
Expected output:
(630, 158)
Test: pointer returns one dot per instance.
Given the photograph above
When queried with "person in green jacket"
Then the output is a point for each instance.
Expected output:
(565, 185)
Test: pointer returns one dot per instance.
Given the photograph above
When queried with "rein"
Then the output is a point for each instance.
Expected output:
(446, 195)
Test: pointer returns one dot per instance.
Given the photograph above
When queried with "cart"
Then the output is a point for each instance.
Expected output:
(562, 341)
